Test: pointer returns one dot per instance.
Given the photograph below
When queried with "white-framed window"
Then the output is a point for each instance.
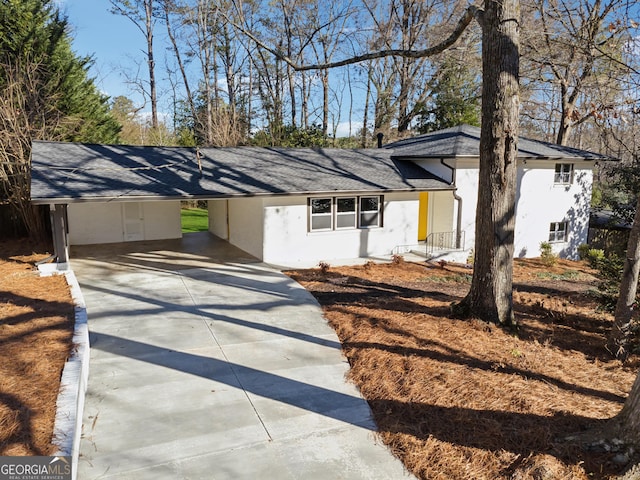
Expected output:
(558, 232)
(564, 174)
(370, 212)
(343, 213)
(321, 214)
(346, 212)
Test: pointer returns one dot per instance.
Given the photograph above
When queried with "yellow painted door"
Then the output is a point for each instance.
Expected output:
(423, 212)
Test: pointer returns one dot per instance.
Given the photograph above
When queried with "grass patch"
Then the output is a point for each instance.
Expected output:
(568, 275)
(452, 278)
(194, 220)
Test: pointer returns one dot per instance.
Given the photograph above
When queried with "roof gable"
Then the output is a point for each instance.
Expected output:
(464, 141)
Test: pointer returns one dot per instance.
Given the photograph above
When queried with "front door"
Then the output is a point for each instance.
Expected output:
(133, 221)
(423, 213)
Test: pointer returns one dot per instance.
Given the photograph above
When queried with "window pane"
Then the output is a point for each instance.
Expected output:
(369, 204)
(346, 204)
(558, 232)
(320, 205)
(369, 219)
(321, 222)
(346, 220)
(563, 173)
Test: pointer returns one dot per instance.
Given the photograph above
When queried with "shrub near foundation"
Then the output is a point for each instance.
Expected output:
(546, 254)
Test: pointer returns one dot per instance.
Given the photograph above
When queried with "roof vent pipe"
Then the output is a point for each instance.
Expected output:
(380, 135)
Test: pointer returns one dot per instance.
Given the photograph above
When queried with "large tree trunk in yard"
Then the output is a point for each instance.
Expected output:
(490, 297)
(628, 420)
(618, 340)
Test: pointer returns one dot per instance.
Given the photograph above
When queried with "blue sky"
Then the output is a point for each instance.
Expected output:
(114, 42)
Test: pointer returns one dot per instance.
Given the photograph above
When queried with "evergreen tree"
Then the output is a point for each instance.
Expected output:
(456, 98)
(45, 94)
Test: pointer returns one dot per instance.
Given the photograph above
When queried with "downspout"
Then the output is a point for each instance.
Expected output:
(228, 226)
(458, 198)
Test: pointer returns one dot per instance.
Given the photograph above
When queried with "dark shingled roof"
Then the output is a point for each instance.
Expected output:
(68, 172)
(464, 141)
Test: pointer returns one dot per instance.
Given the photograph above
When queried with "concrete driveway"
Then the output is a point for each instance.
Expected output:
(208, 364)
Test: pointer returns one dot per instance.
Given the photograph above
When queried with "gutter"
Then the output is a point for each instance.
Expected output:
(458, 198)
(149, 198)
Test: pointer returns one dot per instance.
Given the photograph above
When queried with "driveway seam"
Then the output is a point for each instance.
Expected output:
(224, 354)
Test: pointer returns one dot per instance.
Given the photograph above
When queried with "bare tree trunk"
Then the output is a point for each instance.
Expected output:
(404, 75)
(566, 111)
(350, 104)
(249, 113)
(140, 12)
(325, 103)
(305, 102)
(617, 343)
(148, 9)
(627, 422)
(383, 109)
(365, 119)
(490, 297)
(290, 72)
(176, 51)
(204, 53)
(228, 54)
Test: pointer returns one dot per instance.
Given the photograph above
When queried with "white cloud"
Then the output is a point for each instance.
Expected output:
(343, 129)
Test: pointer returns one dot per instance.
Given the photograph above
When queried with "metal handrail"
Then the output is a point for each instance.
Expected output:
(453, 240)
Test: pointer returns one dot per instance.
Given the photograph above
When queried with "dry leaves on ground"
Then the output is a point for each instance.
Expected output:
(459, 399)
(36, 323)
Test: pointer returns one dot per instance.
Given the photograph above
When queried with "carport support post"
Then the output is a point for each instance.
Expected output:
(60, 232)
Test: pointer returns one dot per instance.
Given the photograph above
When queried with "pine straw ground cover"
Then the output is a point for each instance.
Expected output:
(458, 399)
(36, 323)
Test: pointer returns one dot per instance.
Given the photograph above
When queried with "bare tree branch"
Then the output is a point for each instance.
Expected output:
(469, 14)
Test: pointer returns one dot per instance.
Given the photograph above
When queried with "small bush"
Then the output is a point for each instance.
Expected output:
(471, 257)
(397, 259)
(546, 254)
(595, 256)
(324, 267)
(610, 273)
(583, 251)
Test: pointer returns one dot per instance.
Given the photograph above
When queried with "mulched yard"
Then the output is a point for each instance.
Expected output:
(36, 326)
(461, 399)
